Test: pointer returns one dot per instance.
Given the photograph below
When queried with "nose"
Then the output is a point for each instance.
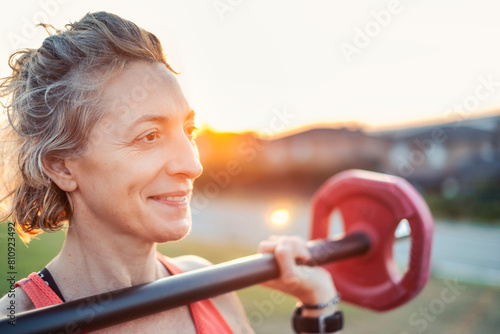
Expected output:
(184, 158)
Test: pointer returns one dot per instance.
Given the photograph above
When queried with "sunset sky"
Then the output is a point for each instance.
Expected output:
(278, 65)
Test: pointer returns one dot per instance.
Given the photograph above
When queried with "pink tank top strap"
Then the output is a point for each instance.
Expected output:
(206, 316)
(39, 292)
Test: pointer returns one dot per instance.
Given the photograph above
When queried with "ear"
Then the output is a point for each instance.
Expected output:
(59, 172)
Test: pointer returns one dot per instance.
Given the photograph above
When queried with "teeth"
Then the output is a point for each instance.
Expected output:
(173, 198)
(176, 198)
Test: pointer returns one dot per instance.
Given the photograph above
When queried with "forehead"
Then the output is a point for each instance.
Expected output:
(140, 88)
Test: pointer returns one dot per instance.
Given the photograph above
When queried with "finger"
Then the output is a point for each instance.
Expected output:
(300, 248)
(286, 259)
(266, 246)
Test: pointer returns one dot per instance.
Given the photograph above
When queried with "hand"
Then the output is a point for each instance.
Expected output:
(312, 285)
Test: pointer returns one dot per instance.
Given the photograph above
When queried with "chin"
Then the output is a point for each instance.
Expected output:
(175, 232)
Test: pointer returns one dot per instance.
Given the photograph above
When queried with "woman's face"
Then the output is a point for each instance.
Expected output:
(137, 174)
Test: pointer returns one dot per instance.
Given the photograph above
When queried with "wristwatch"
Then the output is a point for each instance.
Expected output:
(323, 324)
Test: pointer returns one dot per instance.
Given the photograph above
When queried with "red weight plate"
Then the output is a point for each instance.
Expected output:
(375, 204)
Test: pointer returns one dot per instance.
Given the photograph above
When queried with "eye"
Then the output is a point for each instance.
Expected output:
(192, 131)
(150, 137)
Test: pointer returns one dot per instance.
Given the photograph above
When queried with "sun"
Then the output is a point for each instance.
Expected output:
(280, 217)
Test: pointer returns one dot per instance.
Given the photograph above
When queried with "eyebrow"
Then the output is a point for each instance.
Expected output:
(147, 118)
(155, 119)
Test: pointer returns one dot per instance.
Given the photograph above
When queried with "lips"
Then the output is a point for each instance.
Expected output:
(178, 198)
(172, 198)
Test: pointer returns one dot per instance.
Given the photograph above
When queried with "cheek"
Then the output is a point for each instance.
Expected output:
(117, 177)
(101, 176)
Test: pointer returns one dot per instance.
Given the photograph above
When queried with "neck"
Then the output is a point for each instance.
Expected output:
(94, 260)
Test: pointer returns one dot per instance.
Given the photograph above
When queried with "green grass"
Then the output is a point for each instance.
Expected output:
(475, 309)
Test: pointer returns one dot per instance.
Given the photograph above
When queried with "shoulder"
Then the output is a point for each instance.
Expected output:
(228, 304)
(190, 262)
(16, 300)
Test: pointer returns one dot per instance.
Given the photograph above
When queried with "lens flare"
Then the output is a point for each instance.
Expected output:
(280, 217)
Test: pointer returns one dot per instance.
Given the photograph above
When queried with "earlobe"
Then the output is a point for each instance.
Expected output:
(59, 172)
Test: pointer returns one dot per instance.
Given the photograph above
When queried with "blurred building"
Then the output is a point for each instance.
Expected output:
(449, 157)
(466, 151)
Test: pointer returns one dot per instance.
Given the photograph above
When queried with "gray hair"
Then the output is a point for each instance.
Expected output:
(53, 102)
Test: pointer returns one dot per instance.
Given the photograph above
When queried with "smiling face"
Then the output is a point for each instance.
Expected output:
(137, 174)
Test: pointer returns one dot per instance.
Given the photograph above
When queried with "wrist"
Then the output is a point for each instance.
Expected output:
(317, 313)
(318, 299)
(319, 309)
(320, 295)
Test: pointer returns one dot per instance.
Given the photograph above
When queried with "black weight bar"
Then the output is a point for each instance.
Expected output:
(115, 307)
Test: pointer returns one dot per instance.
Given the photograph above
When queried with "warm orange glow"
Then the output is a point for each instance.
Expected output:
(280, 217)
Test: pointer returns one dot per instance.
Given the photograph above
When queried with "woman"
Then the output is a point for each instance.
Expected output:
(104, 142)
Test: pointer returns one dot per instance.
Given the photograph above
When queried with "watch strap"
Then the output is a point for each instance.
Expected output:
(328, 323)
(332, 302)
